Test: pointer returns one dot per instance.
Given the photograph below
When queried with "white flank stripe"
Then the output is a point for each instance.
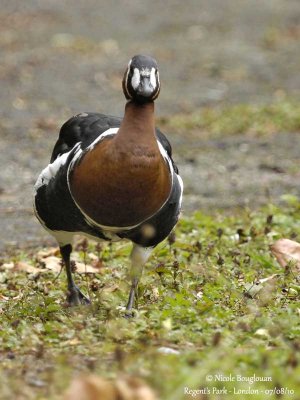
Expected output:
(50, 171)
(181, 186)
(166, 157)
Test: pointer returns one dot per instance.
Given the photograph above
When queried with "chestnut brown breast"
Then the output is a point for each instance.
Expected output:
(123, 180)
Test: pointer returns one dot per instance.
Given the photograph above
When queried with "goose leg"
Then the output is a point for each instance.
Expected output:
(74, 297)
(139, 257)
(132, 294)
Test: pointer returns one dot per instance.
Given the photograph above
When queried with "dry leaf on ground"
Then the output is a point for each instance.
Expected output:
(23, 266)
(94, 387)
(51, 251)
(20, 266)
(9, 265)
(285, 251)
(54, 264)
(51, 262)
(81, 268)
(91, 388)
(269, 278)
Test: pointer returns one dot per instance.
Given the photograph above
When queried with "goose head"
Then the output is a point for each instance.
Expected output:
(141, 79)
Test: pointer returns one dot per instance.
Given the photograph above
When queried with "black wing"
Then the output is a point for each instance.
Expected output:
(84, 128)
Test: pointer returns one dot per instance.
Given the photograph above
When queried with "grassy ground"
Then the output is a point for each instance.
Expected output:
(252, 119)
(203, 314)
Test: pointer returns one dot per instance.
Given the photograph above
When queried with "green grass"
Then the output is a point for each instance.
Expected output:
(264, 119)
(199, 296)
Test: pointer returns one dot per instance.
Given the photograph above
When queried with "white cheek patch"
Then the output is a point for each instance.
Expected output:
(153, 78)
(136, 79)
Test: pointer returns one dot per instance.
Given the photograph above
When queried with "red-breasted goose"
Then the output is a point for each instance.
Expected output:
(111, 178)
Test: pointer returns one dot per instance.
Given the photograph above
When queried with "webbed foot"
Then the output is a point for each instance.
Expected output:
(76, 298)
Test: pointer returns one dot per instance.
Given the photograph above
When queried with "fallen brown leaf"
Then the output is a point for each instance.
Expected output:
(285, 251)
(269, 278)
(5, 298)
(93, 257)
(20, 266)
(51, 260)
(23, 266)
(82, 268)
(54, 264)
(92, 387)
(131, 388)
(7, 266)
(51, 251)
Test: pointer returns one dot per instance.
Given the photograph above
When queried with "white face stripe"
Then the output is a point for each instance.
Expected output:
(153, 78)
(136, 78)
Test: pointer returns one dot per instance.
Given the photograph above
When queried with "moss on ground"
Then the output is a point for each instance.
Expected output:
(264, 119)
(202, 312)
